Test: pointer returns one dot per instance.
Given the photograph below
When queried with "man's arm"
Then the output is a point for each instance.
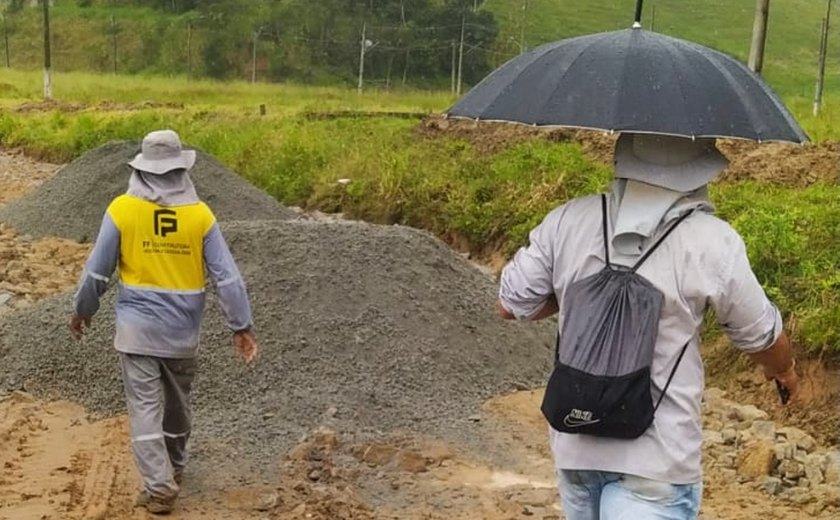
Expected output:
(752, 322)
(526, 289)
(230, 289)
(97, 273)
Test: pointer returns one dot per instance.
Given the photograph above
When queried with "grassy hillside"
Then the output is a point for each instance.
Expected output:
(793, 34)
(156, 42)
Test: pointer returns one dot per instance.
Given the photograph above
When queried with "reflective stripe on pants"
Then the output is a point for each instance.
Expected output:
(157, 393)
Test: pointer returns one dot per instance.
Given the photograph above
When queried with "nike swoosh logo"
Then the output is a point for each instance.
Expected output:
(577, 423)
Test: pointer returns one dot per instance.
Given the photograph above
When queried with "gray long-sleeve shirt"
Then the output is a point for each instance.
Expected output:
(702, 263)
(163, 254)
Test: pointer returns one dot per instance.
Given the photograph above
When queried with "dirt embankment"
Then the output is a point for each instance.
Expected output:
(784, 164)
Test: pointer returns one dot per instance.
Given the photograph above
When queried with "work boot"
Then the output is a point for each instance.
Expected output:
(178, 475)
(155, 505)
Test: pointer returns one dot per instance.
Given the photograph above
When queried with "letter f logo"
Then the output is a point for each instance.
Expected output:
(165, 224)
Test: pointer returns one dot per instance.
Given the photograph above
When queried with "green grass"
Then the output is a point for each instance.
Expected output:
(483, 202)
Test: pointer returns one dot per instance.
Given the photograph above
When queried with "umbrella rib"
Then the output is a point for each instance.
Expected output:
(674, 68)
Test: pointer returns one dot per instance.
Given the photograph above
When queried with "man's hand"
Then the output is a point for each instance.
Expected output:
(245, 345)
(78, 324)
(789, 379)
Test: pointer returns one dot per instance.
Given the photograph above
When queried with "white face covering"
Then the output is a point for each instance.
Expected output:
(174, 188)
(640, 211)
(658, 178)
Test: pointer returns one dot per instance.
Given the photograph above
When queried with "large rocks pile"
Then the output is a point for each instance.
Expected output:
(746, 447)
(71, 204)
(365, 328)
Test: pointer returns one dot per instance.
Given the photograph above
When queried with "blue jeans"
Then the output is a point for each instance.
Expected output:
(597, 495)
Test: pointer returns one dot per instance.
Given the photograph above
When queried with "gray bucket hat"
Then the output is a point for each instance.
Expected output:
(161, 152)
(675, 163)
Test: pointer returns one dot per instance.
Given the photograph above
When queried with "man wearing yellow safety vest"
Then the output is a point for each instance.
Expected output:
(163, 239)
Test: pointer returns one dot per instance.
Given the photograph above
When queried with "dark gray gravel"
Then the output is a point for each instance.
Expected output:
(368, 329)
(71, 204)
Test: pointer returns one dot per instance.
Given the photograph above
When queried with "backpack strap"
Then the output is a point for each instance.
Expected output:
(606, 231)
(659, 242)
(671, 377)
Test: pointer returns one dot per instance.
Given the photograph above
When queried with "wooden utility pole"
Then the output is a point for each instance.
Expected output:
(47, 53)
(254, 58)
(522, 19)
(114, 41)
(362, 50)
(189, 49)
(826, 27)
(6, 41)
(461, 56)
(454, 66)
(759, 37)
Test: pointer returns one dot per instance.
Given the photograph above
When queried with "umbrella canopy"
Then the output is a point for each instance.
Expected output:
(632, 81)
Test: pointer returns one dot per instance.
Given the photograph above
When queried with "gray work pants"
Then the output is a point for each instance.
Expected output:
(157, 392)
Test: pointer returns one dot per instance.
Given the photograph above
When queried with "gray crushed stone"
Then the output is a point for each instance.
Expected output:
(367, 329)
(71, 204)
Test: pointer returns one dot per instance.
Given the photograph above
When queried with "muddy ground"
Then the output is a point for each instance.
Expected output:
(60, 462)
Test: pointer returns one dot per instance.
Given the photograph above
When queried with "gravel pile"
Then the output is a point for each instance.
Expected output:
(365, 329)
(71, 204)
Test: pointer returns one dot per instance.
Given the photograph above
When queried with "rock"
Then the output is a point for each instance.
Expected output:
(804, 483)
(729, 436)
(791, 469)
(534, 497)
(831, 469)
(800, 456)
(764, 430)
(784, 450)
(745, 436)
(5, 298)
(813, 468)
(757, 460)
(412, 462)
(712, 438)
(315, 475)
(798, 437)
(771, 485)
(748, 413)
(828, 495)
(712, 395)
(267, 502)
(379, 454)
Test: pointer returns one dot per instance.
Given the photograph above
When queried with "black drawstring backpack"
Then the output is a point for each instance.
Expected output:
(601, 383)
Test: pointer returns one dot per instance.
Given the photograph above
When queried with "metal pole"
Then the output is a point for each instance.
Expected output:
(826, 26)
(47, 51)
(362, 50)
(762, 12)
(638, 18)
(461, 57)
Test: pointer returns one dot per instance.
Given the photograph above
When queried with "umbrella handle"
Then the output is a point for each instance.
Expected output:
(638, 22)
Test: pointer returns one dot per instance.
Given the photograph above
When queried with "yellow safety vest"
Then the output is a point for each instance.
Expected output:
(161, 247)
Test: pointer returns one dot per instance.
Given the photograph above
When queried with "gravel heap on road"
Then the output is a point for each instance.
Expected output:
(363, 328)
(71, 204)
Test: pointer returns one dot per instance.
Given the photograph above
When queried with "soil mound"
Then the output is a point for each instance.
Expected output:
(364, 329)
(785, 164)
(71, 204)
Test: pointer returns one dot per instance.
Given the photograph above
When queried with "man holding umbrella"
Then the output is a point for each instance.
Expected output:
(163, 239)
(631, 273)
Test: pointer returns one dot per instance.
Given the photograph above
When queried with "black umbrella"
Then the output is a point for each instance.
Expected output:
(632, 81)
